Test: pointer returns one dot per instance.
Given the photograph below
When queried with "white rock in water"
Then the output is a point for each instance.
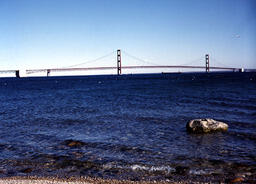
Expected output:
(206, 125)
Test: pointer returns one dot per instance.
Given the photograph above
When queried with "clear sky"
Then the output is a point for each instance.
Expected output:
(59, 33)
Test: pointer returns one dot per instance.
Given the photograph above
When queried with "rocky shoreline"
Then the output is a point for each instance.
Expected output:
(50, 168)
(91, 180)
(181, 177)
(81, 180)
(72, 168)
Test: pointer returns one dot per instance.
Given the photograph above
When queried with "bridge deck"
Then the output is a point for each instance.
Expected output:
(8, 71)
(124, 67)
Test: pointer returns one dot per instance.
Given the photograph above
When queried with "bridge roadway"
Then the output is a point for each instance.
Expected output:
(8, 71)
(126, 67)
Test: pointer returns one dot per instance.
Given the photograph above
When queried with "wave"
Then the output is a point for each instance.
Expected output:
(243, 135)
(234, 105)
(106, 146)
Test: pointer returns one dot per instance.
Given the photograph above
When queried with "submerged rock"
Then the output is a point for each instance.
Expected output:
(235, 180)
(74, 143)
(27, 170)
(182, 170)
(205, 126)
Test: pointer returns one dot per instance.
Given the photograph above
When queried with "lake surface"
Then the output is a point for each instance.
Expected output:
(128, 127)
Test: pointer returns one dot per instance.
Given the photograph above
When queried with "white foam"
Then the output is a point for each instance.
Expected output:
(197, 172)
(205, 171)
(137, 167)
(166, 169)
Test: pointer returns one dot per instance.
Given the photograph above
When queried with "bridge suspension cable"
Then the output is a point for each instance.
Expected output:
(91, 61)
(201, 59)
(139, 59)
(71, 67)
(221, 64)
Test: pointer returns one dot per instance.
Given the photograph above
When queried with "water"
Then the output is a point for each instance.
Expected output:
(127, 127)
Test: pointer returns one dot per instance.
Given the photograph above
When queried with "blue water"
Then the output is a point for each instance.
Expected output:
(127, 125)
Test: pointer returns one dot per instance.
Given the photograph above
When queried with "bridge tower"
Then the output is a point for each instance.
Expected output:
(119, 62)
(207, 63)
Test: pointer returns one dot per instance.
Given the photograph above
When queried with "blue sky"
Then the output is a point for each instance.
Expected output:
(59, 33)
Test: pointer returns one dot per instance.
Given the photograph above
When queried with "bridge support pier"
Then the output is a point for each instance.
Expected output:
(207, 63)
(119, 68)
(48, 72)
(17, 73)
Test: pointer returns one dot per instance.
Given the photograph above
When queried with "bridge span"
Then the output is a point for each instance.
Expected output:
(16, 72)
(119, 67)
(125, 67)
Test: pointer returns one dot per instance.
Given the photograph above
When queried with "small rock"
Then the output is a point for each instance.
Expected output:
(205, 126)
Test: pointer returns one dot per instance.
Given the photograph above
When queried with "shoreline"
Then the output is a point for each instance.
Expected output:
(77, 180)
(97, 180)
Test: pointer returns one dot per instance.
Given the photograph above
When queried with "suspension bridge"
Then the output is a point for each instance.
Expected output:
(119, 67)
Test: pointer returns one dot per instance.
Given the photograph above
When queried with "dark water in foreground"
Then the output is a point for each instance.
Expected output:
(127, 126)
